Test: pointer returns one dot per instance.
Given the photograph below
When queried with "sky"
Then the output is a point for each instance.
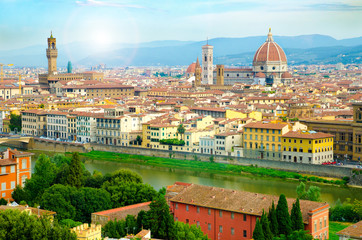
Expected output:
(104, 22)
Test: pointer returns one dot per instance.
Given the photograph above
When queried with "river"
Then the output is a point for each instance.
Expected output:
(161, 177)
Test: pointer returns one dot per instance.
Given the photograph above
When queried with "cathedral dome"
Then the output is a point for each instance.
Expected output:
(191, 68)
(269, 51)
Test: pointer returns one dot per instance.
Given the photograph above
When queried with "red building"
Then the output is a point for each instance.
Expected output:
(229, 214)
(15, 168)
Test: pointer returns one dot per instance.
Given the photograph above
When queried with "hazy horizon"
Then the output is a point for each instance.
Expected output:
(100, 23)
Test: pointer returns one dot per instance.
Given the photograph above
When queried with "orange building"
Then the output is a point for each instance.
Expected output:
(15, 168)
(229, 214)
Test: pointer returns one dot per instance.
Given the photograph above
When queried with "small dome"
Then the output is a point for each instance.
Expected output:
(260, 75)
(287, 75)
(270, 51)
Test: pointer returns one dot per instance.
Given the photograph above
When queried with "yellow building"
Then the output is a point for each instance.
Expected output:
(153, 133)
(263, 140)
(6, 125)
(307, 147)
(257, 116)
(347, 134)
(88, 232)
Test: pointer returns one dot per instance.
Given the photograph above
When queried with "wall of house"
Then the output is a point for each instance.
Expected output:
(221, 224)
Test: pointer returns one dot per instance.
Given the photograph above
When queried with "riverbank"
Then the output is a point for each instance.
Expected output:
(211, 167)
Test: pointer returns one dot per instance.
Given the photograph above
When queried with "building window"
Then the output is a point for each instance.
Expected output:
(176, 205)
(244, 233)
(232, 231)
(209, 211)
(187, 207)
(220, 228)
(220, 213)
(12, 169)
(232, 215)
(315, 226)
(198, 209)
(198, 224)
(244, 217)
(13, 186)
(23, 163)
(209, 226)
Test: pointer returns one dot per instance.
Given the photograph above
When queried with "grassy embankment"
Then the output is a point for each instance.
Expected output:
(202, 166)
(335, 227)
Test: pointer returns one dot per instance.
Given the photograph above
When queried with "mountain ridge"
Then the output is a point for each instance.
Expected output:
(165, 52)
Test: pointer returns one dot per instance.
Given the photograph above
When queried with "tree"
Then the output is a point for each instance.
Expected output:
(283, 216)
(142, 221)
(114, 229)
(184, 231)
(122, 176)
(70, 223)
(138, 140)
(300, 235)
(75, 171)
(15, 122)
(296, 217)
(160, 220)
(75, 203)
(268, 235)
(3, 201)
(44, 175)
(312, 194)
(258, 231)
(272, 216)
(128, 193)
(20, 225)
(181, 129)
(19, 194)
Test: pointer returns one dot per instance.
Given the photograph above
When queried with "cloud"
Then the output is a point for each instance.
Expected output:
(334, 7)
(98, 3)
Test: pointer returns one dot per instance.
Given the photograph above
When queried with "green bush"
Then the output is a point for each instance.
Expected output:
(174, 142)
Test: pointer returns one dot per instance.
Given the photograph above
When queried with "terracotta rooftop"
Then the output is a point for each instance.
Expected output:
(354, 231)
(122, 212)
(307, 135)
(266, 125)
(238, 201)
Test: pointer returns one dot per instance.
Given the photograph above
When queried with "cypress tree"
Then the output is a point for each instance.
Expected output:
(296, 217)
(258, 231)
(272, 216)
(75, 171)
(266, 226)
(284, 223)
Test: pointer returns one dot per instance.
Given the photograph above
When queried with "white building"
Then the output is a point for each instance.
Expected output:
(225, 142)
(86, 127)
(57, 125)
(207, 145)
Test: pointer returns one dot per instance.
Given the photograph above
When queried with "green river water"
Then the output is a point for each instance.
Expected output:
(161, 177)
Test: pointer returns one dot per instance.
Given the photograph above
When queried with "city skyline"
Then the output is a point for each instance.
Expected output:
(102, 23)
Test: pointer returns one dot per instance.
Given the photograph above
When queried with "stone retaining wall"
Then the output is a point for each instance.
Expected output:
(320, 170)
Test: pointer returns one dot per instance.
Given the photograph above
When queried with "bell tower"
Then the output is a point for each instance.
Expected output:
(52, 54)
(197, 82)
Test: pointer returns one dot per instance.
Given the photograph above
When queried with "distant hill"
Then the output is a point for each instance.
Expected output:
(320, 55)
(237, 51)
